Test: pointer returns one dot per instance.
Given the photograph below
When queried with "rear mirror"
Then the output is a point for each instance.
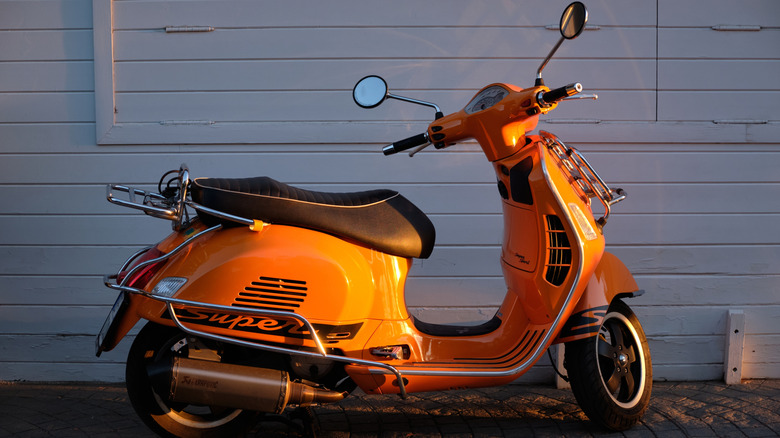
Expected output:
(370, 91)
(573, 20)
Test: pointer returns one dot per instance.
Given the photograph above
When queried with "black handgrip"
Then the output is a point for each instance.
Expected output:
(405, 144)
(557, 94)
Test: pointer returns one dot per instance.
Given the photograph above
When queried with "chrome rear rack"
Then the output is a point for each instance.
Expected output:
(153, 204)
(172, 208)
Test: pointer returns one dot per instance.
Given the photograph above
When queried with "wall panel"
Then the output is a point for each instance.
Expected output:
(687, 122)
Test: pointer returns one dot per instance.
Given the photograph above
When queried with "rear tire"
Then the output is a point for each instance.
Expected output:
(158, 343)
(611, 374)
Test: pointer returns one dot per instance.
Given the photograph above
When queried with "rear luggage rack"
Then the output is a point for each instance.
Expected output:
(171, 204)
(153, 204)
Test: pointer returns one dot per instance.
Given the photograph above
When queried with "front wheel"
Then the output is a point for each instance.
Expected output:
(156, 343)
(610, 374)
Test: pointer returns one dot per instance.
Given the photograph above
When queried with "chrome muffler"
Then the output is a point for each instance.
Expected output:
(208, 383)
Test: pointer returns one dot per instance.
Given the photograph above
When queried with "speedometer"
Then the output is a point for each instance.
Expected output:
(486, 98)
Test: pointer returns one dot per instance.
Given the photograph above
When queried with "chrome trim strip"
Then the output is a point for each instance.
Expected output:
(542, 346)
(129, 261)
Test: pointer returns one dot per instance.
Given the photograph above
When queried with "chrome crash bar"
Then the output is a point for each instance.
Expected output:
(320, 353)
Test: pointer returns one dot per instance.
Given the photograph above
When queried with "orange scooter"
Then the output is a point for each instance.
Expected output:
(274, 296)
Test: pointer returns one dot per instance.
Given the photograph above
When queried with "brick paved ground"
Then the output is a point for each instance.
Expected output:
(696, 409)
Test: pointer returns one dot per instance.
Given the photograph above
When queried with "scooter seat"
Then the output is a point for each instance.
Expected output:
(380, 219)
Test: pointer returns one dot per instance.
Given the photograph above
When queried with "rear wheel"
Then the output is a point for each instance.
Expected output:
(156, 343)
(611, 374)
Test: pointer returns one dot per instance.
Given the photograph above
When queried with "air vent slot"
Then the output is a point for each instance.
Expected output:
(558, 252)
(273, 293)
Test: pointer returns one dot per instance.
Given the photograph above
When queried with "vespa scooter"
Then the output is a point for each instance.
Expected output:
(274, 296)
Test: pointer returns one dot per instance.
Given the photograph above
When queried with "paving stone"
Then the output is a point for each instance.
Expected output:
(678, 409)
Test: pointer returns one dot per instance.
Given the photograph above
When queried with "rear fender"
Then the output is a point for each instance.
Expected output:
(122, 318)
(610, 280)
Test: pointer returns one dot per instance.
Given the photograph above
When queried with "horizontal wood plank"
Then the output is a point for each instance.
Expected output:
(45, 14)
(612, 137)
(483, 198)
(55, 290)
(676, 43)
(45, 76)
(46, 45)
(433, 292)
(433, 167)
(379, 42)
(686, 350)
(718, 75)
(47, 107)
(453, 261)
(59, 348)
(483, 229)
(762, 349)
(716, 259)
(63, 372)
(705, 13)
(403, 76)
(304, 106)
(53, 320)
(155, 14)
(759, 106)
(704, 320)
(582, 129)
(713, 289)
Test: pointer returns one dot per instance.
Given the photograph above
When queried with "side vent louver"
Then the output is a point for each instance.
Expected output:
(273, 293)
(558, 252)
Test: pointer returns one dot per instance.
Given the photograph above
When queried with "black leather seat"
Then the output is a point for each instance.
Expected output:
(380, 219)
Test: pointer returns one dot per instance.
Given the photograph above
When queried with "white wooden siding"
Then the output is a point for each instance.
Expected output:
(688, 123)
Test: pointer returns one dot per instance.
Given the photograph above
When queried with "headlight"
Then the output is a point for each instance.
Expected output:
(168, 286)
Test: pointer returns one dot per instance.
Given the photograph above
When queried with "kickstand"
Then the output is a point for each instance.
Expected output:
(301, 419)
(306, 415)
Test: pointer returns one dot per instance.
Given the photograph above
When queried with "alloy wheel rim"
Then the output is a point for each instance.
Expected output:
(621, 360)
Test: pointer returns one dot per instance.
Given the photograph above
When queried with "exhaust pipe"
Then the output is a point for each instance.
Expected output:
(208, 383)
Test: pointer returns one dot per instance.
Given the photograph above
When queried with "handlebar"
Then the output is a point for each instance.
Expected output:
(557, 94)
(407, 143)
(544, 102)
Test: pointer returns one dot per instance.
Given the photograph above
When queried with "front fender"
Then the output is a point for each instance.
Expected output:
(610, 280)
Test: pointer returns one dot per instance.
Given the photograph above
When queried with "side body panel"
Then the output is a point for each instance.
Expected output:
(547, 264)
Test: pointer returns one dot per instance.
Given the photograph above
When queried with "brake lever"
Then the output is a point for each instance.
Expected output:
(418, 149)
(582, 96)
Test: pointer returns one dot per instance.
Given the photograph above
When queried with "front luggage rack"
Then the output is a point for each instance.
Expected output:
(584, 175)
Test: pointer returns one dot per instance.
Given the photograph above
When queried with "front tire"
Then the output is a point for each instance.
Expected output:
(611, 374)
(156, 343)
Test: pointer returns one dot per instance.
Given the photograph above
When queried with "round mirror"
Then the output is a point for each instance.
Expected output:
(573, 20)
(370, 91)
